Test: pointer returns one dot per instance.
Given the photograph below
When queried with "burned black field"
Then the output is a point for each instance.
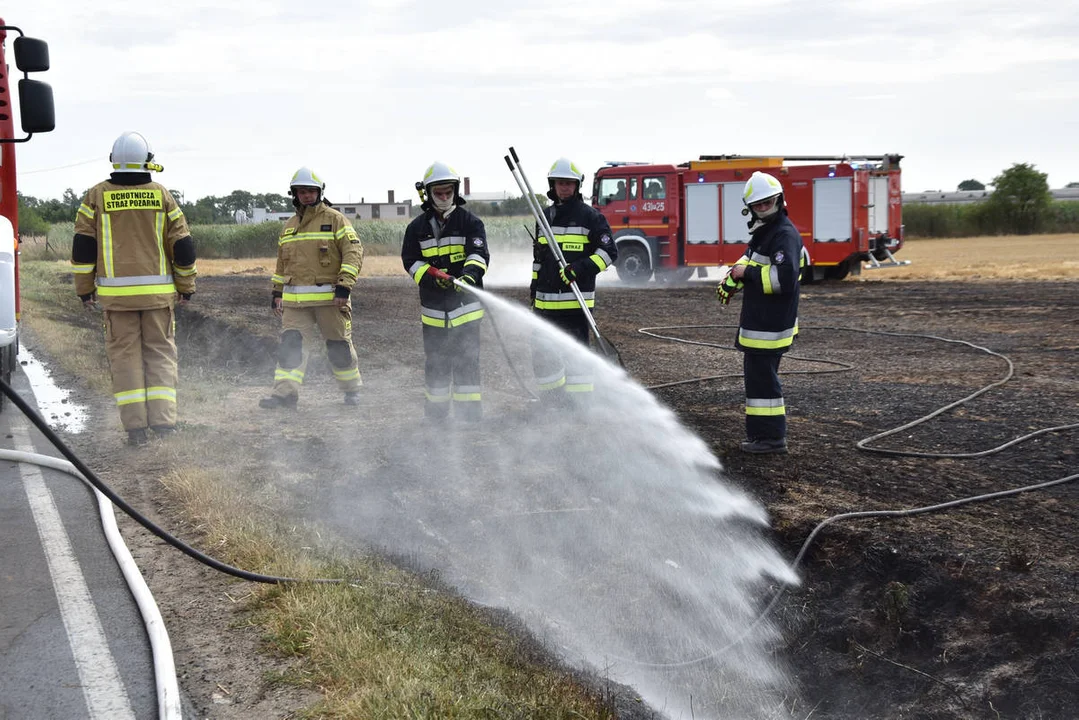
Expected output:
(967, 611)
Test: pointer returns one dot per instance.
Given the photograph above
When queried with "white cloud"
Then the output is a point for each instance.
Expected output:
(369, 94)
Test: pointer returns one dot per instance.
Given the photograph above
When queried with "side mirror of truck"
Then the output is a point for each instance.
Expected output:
(36, 107)
(31, 54)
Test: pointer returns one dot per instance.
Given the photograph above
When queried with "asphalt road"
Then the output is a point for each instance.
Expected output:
(72, 642)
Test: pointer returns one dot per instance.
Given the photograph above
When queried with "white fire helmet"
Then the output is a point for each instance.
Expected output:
(564, 169)
(762, 186)
(305, 177)
(131, 153)
(440, 173)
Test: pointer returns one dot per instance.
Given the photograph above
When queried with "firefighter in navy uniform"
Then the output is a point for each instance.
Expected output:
(444, 243)
(319, 256)
(769, 274)
(133, 250)
(584, 237)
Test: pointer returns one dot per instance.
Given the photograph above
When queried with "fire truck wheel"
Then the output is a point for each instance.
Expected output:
(676, 276)
(838, 272)
(633, 266)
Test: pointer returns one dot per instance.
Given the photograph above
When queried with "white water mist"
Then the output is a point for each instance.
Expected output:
(610, 532)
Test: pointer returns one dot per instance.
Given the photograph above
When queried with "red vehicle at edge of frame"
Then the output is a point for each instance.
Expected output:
(37, 115)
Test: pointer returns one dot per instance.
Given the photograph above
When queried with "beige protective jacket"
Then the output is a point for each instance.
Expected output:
(136, 228)
(317, 250)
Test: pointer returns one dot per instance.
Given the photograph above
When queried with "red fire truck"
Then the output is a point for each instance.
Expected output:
(37, 115)
(669, 220)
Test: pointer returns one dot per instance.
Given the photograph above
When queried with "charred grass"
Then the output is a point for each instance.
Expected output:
(384, 641)
(968, 614)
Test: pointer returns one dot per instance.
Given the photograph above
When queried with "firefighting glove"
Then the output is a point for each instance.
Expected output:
(442, 279)
(273, 299)
(468, 279)
(726, 290)
(574, 271)
(340, 291)
(568, 275)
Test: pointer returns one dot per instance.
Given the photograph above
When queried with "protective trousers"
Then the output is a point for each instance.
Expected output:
(562, 376)
(298, 337)
(451, 371)
(766, 413)
(141, 348)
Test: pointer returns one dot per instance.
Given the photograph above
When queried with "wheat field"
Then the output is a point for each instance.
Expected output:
(1032, 257)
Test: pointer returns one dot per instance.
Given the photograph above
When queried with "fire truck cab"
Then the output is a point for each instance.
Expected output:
(671, 220)
(37, 115)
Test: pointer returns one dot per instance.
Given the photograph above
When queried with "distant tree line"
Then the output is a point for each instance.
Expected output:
(35, 216)
(1020, 204)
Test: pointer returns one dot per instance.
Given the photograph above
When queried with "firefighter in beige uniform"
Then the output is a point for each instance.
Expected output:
(133, 250)
(319, 256)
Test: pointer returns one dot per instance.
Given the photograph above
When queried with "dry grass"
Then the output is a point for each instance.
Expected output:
(49, 306)
(383, 644)
(1033, 257)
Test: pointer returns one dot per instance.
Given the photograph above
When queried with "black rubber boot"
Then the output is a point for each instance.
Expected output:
(765, 446)
(276, 401)
(352, 397)
(136, 437)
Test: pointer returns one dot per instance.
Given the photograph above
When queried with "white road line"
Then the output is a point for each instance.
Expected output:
(106, 697)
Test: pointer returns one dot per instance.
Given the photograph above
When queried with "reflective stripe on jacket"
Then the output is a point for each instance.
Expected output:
(582, 233)
(773, 261)
(125, 237)
(318, 248)
(458, 247)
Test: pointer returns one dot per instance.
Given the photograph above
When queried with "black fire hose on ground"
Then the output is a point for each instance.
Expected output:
(135, 514)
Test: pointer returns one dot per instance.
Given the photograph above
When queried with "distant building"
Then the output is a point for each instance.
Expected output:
(962, 197)
(362, 210)
(486, 198)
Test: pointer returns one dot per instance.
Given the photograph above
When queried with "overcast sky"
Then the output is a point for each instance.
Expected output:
(238, 94)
